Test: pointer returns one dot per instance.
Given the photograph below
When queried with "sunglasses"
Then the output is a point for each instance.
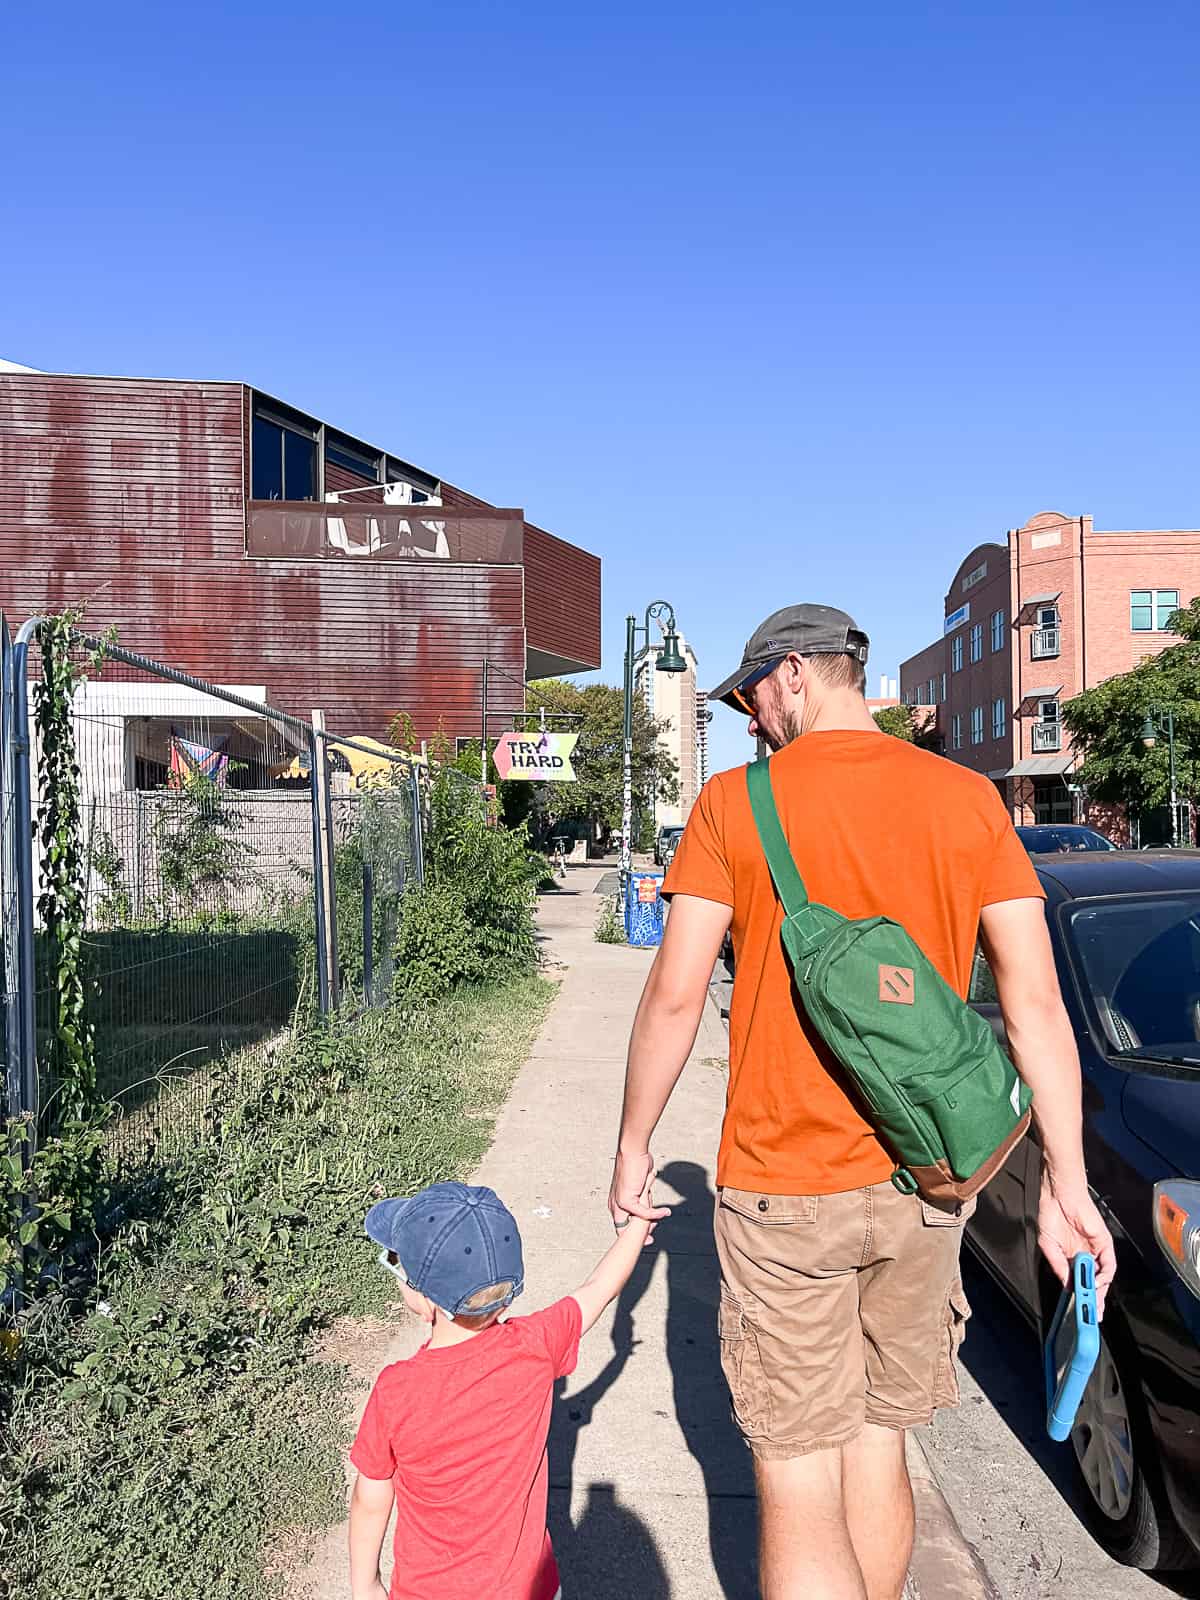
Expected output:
(756, 677)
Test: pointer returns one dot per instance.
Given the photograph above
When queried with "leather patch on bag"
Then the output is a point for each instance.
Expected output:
(896, 985)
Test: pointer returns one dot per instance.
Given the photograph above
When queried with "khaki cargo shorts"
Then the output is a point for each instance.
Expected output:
(837, 1309)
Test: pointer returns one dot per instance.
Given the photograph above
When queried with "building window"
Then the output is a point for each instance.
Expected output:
(997, 631)
(977, 725)
(1047, 730)
(921, 695)
(933, 691)
(353, 460)
(1046, 639)
(283, 460)
(977, 641)
(943, 686)
(956, 653)
(1150, 609)
(956, 732)
(998, 719)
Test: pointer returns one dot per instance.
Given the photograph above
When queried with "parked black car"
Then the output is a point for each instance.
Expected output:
(1042, 838)
(668, 835)
(1126, 933)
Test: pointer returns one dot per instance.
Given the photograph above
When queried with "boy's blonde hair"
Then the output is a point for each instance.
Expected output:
(483, 1297)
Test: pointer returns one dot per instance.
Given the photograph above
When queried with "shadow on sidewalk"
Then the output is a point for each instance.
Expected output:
(613, 1550)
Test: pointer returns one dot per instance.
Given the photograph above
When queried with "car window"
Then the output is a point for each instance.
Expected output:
(983, 984)
(1138, 959)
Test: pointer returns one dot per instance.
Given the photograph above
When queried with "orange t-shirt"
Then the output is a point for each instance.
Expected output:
(877, 828)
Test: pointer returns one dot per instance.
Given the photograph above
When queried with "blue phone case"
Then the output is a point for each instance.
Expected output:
(1072, 1346)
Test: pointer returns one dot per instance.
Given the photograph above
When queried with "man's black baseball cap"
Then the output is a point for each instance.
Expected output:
(804, 630)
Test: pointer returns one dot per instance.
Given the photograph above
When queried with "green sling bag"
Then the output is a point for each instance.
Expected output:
(942, 1094)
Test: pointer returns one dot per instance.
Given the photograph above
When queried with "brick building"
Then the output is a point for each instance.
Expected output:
(252, 543)
(1027, 624)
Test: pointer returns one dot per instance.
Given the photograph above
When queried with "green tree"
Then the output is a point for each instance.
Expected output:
(1106, 722)
(902, 722)
(596, 795)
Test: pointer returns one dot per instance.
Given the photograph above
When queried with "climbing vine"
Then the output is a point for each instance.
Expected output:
(68, 1054)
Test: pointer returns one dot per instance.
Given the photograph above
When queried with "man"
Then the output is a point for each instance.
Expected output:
(841, 1303)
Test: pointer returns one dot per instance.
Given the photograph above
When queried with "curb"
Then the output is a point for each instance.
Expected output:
(945, 1565)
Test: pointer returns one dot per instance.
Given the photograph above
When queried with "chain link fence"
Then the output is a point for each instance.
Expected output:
(238, 864)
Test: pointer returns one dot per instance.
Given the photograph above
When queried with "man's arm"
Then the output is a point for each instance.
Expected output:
(370, 1508)
(1041, 1042)
(663, 1034)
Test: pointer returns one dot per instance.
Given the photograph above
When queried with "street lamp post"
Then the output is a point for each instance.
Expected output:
(670, 660)
(1161, 719)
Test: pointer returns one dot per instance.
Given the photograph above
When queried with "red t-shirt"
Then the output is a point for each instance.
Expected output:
(461, 1431)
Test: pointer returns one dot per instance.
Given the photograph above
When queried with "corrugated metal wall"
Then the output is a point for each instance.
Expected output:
(562, 590)
(128, 494)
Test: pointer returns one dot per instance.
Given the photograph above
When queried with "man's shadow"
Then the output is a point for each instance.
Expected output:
(612, 1545)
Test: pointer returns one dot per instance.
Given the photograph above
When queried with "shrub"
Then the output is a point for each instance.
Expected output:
(610, 929)
(436, 947)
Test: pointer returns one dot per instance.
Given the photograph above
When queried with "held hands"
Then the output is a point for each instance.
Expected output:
(1068, 1222)
(630, 1195)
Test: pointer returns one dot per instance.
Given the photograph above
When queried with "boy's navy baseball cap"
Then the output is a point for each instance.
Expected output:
(452, 1241)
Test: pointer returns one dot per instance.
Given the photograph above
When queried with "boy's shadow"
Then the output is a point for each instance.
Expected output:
(612, 1546)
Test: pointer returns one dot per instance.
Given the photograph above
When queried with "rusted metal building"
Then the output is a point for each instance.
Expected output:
(231, 534)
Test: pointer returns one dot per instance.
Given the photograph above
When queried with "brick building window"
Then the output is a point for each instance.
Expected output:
(977, 641)
(1047, 730)
(943, 686)
(956, 732)
(933, 691)
(997, 631)
(999, 722)
(1150, 609)
(976, 724)
(956, 653)
(921, 700)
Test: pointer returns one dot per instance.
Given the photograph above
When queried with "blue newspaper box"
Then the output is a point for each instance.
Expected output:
(644, 908)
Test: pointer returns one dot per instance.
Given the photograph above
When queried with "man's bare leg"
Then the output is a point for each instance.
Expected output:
(879, 1509)
(804, 1546)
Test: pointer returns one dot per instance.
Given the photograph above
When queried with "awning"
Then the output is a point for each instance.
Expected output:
(1040, 599)
(1045, 691)
(1038, 767)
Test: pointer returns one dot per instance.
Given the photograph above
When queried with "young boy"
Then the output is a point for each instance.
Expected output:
(456, 1435)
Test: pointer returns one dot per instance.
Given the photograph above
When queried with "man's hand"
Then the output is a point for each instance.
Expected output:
(1068, 1222)
(630, 1195)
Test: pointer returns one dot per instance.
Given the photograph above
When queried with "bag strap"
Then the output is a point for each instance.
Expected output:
(789, 885)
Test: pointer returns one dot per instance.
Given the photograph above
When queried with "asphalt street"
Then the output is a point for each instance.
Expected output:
(1011, 1489)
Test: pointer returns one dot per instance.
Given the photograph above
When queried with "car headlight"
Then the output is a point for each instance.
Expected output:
(1177, 1227)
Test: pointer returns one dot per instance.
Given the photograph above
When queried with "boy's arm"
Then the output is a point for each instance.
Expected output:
(612, 1273)
(370, 1508)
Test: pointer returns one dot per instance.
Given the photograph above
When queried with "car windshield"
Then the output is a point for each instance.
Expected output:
(1048, 841)
(1139, 962)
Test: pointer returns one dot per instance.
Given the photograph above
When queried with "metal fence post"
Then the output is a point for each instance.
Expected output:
(316, 756)
(368, 932)
(324, 863)
(418, 836)
(23, 844)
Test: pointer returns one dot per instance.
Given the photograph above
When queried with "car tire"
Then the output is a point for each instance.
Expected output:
(1125, 1503)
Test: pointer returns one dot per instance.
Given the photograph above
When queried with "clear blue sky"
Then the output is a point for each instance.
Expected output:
(759, 302)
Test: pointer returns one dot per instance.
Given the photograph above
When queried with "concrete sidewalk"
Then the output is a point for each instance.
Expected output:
(651, 1487)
